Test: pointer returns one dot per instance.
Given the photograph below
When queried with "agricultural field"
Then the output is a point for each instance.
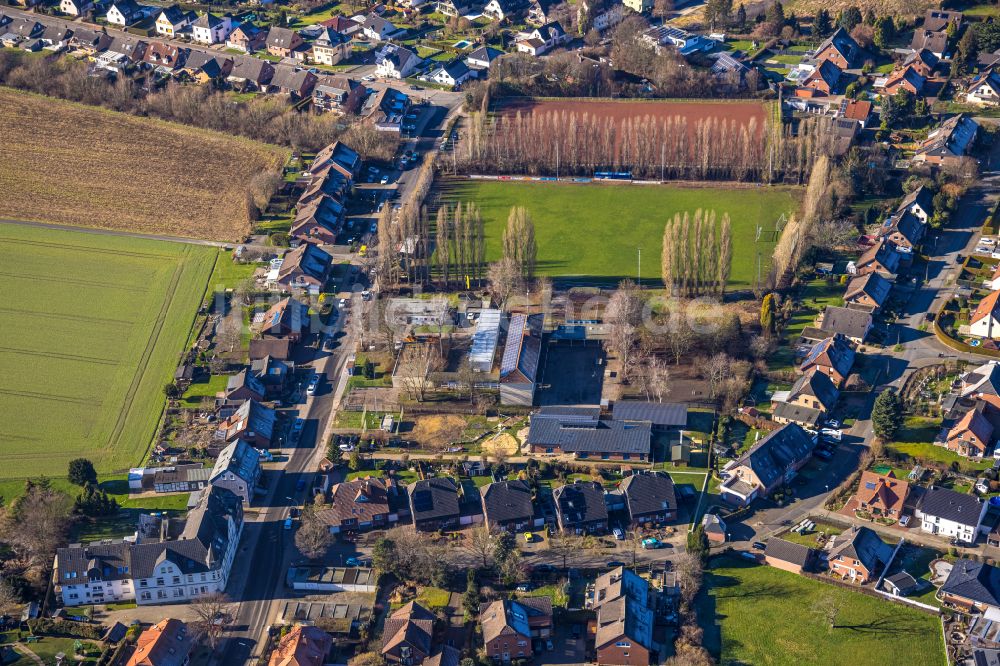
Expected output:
(593, 231)
(72, 164)
(94, 325)
(756, 614)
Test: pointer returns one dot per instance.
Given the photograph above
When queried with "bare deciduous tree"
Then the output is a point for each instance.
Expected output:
(689, 576)
(313, 538)
(480, 544)
(214, 613)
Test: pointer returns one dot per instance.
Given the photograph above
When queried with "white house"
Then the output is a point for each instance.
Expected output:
(541, 40)
(153, 571)
(949, 514)
(75, 7)
(483, 57)
(125, 12)
(993, 284)
(172, 20)
(211, 29)
(452, 74)
(609, 18)
(376, 28)
(395, 62)
(985, 321)
(984, 89)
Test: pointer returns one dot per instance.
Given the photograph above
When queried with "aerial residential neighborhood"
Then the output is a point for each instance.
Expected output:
(462, 333)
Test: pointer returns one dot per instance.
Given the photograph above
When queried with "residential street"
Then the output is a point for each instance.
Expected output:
(920, 349)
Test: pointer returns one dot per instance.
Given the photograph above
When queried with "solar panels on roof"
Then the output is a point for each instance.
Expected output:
(515, 336)
(485, 339)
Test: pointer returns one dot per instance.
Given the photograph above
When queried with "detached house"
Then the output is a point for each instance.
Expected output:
(949, 514)
(125, 12)
(434, 504)
(452, 74)
(285, 43)
(246, 37)
(973, 587)
(972, 435)
(396, 62)
(211, 29)
(788, 556)
(483, 57)
(244, 386)
(868, 292)
(851, 323)
(769, 464)
(580, 508)
(287, 318)
(833, 357)
(841, 50)
(933, 35)
(304, 645)
(163, 56)
(407, 635)
(983, 383)
(919, 203)
(75, 7)
(507, 505)
(649, 498)
(542, 39)
(859, 555)
(985, 320)
(330, 47)
(358, 506)
(377, 28)
(825, 78)
(501, 10)
(950, 143)
(167, 643)
(237, 469)
(172, 20)
(984, 89)
(882, 495)
(251, 73)
(811, 397)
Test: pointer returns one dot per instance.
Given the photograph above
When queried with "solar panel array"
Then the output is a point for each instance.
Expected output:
(515, 336)
(484, 340)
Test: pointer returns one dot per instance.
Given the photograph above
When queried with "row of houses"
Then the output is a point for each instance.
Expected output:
(441, 503)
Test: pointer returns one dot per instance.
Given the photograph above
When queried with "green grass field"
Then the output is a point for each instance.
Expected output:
(594, 231)
(93, 330)
(764, 616)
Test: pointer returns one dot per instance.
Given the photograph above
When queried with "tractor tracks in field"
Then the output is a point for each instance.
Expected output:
(60, 356)
(147, 353)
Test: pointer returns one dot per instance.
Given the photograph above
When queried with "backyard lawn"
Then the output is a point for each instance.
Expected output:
(758, 615)
(207, 388)
(915, 441)
(576, 238)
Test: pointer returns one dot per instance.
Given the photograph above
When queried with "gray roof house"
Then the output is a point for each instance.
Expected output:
(507, 505)
(768, 464)
(649, 497)
(580, 507)
(237, 469)
(972, 586)
(519, 365)
(852, 324)
(434, 504)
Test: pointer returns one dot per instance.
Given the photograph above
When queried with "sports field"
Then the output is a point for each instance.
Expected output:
(594, 230)
(756, 614)
(93, 328)
(80, 165)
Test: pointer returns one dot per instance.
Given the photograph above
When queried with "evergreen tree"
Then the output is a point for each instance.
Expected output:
(82, 472)
(767, 309)
(849, 18)
(885, 30)
(822, 26)
(965, 52)
(741, 17)
(887, 415)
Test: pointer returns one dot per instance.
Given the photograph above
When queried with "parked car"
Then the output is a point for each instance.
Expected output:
(618, 533)
(300, 485)
(548, 645)
(313, 385)
(529, 537)
(833, 423)
(904, 520)
(757, 545)
(525, 587)
(297, 428)
(652, 543)
(288, 523)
